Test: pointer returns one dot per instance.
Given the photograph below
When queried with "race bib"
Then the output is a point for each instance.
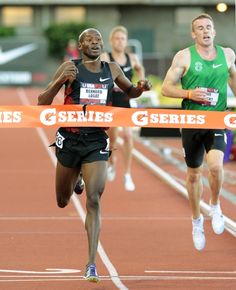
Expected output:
(93, 94)
(59, 140)
(212, 96)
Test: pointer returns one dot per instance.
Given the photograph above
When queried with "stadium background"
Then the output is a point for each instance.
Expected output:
(157, 29)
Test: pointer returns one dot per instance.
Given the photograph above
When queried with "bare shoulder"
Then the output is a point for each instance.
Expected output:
(229, 54)
(134, 59)
(182, 57)
(228, 51)
(115, 69)
(133, 55)
(105, 57)
(65, 64)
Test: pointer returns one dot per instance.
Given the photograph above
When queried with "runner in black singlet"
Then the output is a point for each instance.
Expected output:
(86, 149)
(129, 63)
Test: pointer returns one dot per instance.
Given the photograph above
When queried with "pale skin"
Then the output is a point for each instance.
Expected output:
(119, 42)
(203, 33)
(94, 173)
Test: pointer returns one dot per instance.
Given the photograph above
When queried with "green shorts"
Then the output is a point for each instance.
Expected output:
(72, 149)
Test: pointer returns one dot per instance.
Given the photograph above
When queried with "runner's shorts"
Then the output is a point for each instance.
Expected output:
(198, 141)
(74, 149)
(120, 99)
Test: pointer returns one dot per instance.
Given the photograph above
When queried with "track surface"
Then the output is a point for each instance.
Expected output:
(146, 238)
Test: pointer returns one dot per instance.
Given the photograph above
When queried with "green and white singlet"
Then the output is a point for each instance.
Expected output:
(212, 75)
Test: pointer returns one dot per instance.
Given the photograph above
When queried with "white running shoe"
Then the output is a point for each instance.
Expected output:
(199, 239)
(217, 222)
(111, 173)
(128, 182)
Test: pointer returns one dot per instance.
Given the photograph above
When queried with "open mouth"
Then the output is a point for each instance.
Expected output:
(95, 49)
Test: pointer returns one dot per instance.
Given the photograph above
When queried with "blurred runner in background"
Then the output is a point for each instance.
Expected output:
(129, 63)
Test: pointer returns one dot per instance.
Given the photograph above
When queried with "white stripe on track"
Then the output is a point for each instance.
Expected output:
(110, 268)
(230, 225)
(11, 279)
(190, 272)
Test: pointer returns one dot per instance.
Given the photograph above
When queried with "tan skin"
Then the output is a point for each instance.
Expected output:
(119, 44)
(91, 45)
(203, 33)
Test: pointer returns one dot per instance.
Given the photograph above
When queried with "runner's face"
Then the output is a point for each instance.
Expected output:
(203, 32)
(92, 44)
(119, 41)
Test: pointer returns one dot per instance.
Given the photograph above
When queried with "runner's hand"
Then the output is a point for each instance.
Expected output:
(198, 95)
(144, 85)
(69, 73)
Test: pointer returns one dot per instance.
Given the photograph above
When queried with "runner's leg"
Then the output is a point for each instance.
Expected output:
(65, 182)
(94, 175)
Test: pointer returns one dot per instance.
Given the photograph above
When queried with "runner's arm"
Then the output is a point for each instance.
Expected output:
(170, 86)
(66, 72)
(232, 72)
(137, 66)
(125, 84)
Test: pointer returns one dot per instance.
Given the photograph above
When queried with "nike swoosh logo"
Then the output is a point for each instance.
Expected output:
(216, 65)
(218, 134)
(127, 68)
(103, 80)
(12, 54)
(103, 152)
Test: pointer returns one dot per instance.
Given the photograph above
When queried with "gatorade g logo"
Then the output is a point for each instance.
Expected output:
(48, 117)
(198, 66)
(140, 118)
(230, 121)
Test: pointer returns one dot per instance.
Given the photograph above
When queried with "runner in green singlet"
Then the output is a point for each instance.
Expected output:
(204, 70)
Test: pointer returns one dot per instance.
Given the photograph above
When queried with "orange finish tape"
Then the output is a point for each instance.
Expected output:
(105, 116)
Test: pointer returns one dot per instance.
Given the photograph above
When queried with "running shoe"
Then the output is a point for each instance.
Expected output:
(217, 221)
(91, 274)
(199, 239)
(111, 173)
(128, 182)
(79, 187)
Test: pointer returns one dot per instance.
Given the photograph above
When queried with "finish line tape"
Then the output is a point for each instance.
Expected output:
(105, 116)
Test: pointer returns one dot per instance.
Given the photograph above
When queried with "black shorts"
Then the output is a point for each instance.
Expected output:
(198, 141)
(120, 99)
(72, 149)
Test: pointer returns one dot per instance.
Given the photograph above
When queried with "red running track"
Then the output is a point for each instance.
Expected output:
(146, 238)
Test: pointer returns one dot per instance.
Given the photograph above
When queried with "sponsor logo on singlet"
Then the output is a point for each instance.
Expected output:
(198, 66)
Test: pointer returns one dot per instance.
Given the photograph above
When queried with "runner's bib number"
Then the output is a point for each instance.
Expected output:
(212, 96)
(93, 94)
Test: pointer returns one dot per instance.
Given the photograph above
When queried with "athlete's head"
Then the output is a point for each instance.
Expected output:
(119, 38)
(90, 43)
(203, 31)
(202, 16)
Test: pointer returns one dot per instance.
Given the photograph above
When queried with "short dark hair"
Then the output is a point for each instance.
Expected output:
(83, 33)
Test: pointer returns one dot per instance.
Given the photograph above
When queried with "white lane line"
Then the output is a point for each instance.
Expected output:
(38, 233)
(40, 280)
(36, 218)
(190, 272)
(125, 278)
(230, 225)
(111, 269)
(115, 218)
(46, 272)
